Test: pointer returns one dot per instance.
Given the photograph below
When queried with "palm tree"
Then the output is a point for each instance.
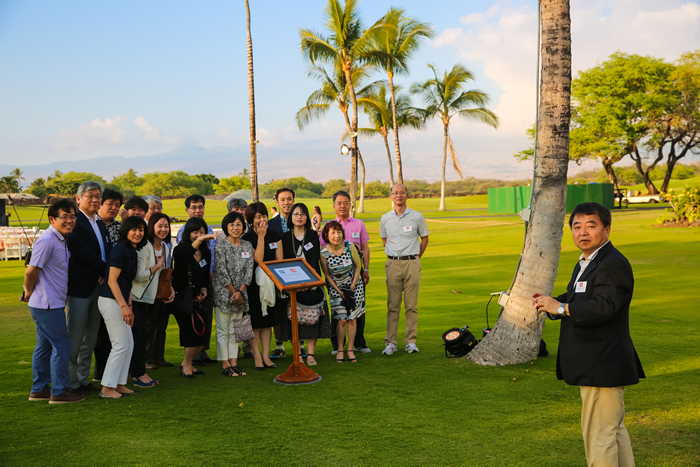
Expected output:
(348, 44)
(380, 111)
(397, 45)
(516, 336)
(334, 92)
(444, 98)
(17, 175)
(251, 111)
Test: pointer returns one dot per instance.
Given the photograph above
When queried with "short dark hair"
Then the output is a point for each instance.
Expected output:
(332, 225)
(136, 202)
(152, 226)
(130, 223)
(588, 209)
(195, 199)
(305, 210)
(62, 204)
(253, 209)
(341, 193)
(112, 194)
(229, 219)
(282, 190)
(193, 224)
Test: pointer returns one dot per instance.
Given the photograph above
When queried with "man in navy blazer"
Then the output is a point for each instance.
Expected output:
(595, 347)
(89, 246)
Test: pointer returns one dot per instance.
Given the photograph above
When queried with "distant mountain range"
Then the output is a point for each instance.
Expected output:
(275, 162)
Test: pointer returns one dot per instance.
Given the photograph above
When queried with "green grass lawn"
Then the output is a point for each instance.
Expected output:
(418, 409)
(673, 184)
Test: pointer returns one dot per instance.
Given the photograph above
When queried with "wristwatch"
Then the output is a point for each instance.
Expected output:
(562, 309)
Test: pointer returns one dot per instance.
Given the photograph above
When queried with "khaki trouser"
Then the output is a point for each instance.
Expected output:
(605, 436)
(402, 277)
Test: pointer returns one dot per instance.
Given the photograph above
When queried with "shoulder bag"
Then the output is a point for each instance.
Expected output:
(166, 274)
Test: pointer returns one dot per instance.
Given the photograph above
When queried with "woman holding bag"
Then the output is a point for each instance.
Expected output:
(192, 259)
(233, 273)
(342, 266)
(302, 242)
(152, 259)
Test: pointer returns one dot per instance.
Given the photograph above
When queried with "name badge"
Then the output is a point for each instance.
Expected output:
(245, 254)
(308, 246)
(356, 235)
(347, 262)
(202, 263)
(273, 246)
(408, 228)
(580, 287)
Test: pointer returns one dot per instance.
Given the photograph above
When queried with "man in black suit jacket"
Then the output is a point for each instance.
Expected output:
(89, 246)
(595, 347)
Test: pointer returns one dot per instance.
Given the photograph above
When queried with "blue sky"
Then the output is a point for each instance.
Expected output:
(85, 79)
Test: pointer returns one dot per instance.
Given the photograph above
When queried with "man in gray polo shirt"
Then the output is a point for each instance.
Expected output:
(405, 238)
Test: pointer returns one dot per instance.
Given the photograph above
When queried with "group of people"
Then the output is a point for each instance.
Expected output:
(94, 286)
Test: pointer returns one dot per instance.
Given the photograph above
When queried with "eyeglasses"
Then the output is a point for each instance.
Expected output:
(397, 193)
(66, 218)
(299, 214)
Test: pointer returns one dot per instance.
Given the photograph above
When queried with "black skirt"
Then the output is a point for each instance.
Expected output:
(188, 337)
(274, 313)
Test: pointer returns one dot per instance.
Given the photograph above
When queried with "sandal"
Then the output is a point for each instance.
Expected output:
(340, 360)
(237, 371)
(233, 371)
(353, 359)
(311, 363)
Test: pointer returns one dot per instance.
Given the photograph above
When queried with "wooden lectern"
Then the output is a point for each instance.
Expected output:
(290, 275)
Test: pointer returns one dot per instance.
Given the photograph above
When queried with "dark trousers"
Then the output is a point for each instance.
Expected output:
(360, 342)
(155, 335)
(139, 331)
(102, 348)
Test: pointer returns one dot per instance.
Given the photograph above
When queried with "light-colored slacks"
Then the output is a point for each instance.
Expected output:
(605, 436)
(402, 278)
(117, 368)
(83, 324)
(226, 345)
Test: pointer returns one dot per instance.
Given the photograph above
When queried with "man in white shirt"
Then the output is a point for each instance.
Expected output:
(405, 238)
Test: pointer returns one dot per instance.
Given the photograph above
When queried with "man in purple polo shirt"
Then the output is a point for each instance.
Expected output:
(355, 232)
(46, 290)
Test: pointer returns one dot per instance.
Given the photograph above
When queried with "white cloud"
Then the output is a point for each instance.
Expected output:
(95, 133)
(150, 133)
(502, 42)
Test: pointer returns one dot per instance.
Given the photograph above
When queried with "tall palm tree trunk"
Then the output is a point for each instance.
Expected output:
(361, 205)
(251, 110)
(444, 163)
(516, 336)
(353, 134)
(388, 154)
(397, 148)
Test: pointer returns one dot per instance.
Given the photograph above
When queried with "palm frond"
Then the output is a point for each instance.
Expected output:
(315, 47)
(366, 133)
(481, 114)
(310, 113)
(473, 98)
(453, 155)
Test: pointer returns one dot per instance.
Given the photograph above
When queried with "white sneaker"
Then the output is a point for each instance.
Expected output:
(411, 348)
(334, 352)
(365, 350)
(389, 349)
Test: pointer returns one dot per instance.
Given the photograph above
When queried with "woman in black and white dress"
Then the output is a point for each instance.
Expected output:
(302, 242)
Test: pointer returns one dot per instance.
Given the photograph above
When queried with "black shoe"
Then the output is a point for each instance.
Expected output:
(182, 372)
(270, 366)
(278, 353)
(196, 371)
(88, 388)
(163, 362)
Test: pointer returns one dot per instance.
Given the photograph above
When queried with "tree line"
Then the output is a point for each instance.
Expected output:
(637, 106)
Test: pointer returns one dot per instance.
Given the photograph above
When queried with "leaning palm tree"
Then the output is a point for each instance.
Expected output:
(349, 44)
(334, 92)
(396, 46)
(444, 98)
(380, 112)
(516, 336)
(251, 111)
